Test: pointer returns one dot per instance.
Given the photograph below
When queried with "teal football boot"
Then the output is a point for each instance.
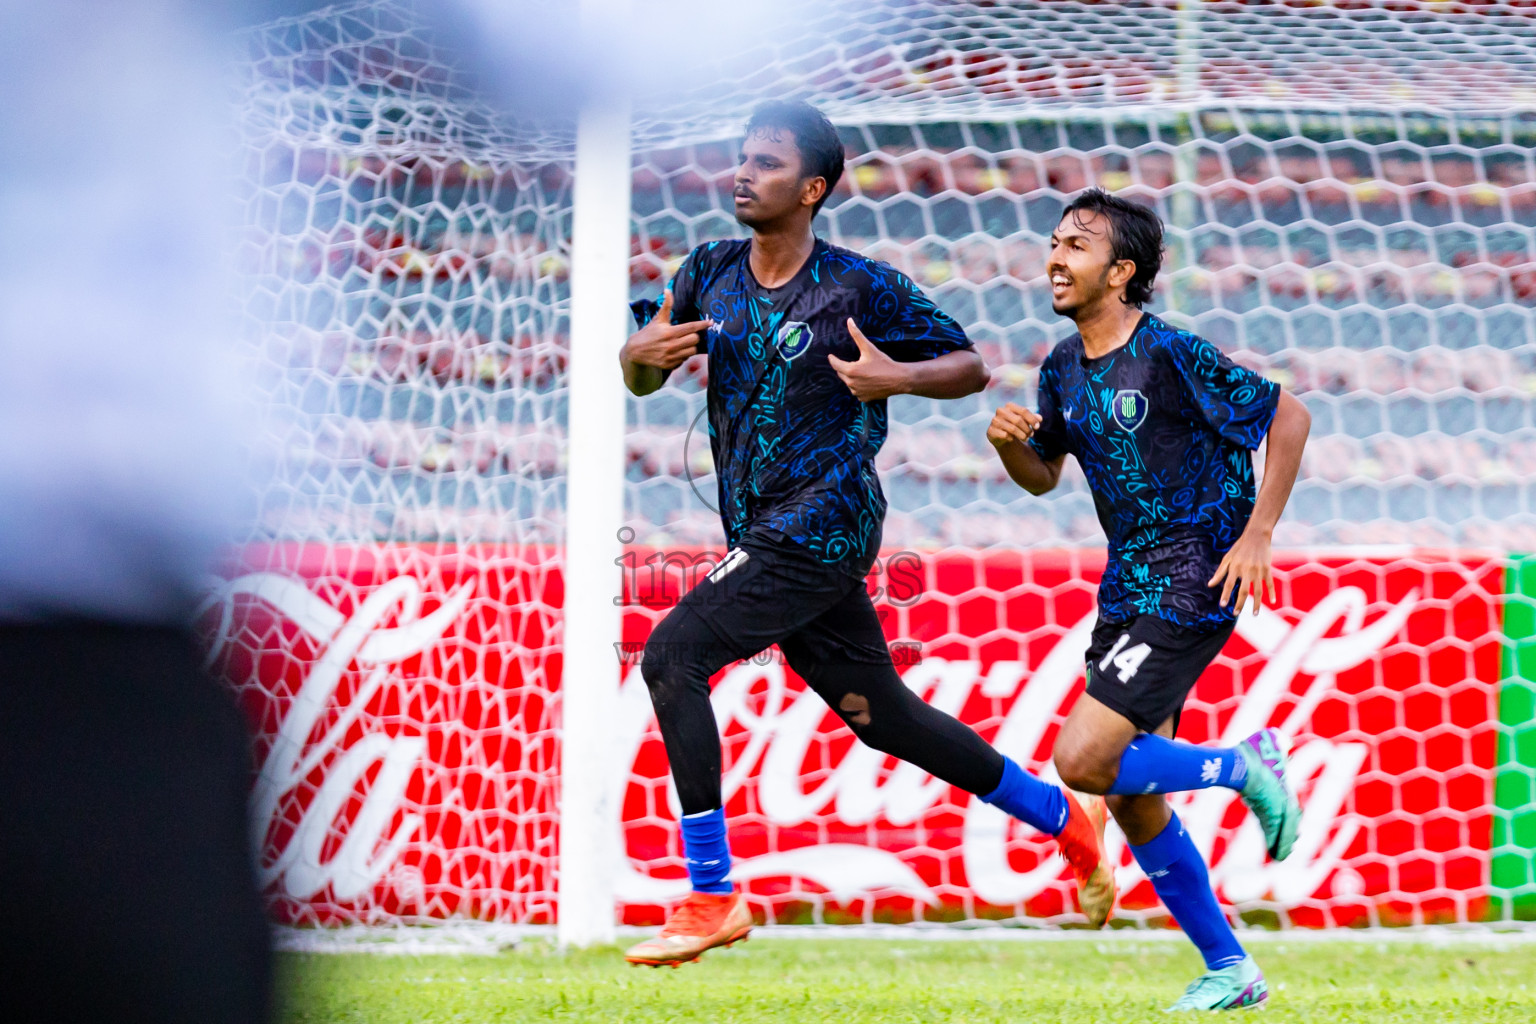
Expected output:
(1239, 987)
(1267, 793)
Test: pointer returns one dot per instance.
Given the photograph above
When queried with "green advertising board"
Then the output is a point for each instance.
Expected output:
(1514, 817)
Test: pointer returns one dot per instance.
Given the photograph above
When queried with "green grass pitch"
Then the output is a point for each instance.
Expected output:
(843, 981)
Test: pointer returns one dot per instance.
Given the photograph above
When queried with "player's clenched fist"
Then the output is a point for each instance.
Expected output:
(1012, 423)
(663, 344)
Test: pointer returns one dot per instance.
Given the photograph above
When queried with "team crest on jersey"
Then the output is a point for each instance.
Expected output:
(1128, 409)
(794, 338)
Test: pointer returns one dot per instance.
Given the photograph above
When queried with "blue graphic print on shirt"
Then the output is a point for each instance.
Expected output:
(794, 450)
(1164, 428)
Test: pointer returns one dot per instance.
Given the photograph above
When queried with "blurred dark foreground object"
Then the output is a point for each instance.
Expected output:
(130, 888)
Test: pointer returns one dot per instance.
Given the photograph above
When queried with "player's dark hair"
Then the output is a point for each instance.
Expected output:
(1135, 234)
(821, 151)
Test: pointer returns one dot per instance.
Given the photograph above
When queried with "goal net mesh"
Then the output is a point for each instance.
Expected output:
(1349, 191)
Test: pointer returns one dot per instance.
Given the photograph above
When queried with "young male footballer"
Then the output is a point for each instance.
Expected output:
(1163, 426)
(805, 342)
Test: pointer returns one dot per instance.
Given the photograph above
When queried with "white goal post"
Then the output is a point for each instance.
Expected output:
(595, 503)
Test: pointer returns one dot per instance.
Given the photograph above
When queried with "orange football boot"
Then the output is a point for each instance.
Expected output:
(701, 922)
(1082, 844)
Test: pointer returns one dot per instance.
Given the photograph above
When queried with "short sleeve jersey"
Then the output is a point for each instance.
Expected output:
(794, 451)
(1164, 428)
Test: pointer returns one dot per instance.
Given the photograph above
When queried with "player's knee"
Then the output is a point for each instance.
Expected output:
(656, 672)
(869, 736)
(664, 666)
(1084, 770)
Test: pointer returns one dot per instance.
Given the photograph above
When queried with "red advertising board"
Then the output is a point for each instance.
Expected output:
(406, 704)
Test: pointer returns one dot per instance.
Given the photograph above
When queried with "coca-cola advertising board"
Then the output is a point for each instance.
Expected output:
(405, 700)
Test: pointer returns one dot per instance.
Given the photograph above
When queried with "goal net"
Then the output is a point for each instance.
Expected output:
(1349, 190)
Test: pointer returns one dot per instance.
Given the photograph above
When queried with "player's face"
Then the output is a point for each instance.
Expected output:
(769, 182)
(1080, 264)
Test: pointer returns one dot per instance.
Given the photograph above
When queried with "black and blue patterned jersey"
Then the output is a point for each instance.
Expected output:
(1164, 428)
(794, 450)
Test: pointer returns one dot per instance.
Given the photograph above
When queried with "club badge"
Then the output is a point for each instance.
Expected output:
(794, 338)
(1128, 409)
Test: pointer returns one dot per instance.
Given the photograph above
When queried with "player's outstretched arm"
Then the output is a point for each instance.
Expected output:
(658, 348)
(1245, 569)
(875, 375)
(1011, 427)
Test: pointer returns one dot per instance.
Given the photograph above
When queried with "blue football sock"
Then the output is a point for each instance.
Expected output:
(1152, 764)
(1030, 799)
(707, 852)
(1179, 876)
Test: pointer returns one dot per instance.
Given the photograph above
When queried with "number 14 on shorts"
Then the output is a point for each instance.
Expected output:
(1127, 661)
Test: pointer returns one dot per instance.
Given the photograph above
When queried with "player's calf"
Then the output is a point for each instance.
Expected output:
(1255, 768)
(1154, 764)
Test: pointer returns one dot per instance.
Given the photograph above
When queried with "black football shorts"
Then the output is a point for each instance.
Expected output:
(1144, 668)
(763, 593)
